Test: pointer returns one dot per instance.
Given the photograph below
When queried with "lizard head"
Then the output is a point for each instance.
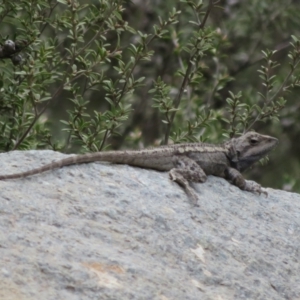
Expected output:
(250, 148)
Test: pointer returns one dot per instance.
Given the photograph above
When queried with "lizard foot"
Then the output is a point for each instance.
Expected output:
(177, 177)
(255, 188)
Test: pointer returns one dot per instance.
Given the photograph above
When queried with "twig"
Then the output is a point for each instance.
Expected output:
(186, 78)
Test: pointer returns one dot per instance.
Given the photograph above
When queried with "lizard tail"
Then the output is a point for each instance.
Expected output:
(53, 165)
(133, 158)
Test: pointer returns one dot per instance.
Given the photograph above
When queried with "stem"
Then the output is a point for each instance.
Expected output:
(275, 95)
(125, 85)
(285, 81)
(104, 139)
(37, 116)
(186, 78)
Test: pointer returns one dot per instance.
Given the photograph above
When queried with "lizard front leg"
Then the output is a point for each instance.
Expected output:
(238, 180)
(185, 170)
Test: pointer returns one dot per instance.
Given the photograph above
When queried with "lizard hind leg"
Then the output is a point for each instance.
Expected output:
(184, 171)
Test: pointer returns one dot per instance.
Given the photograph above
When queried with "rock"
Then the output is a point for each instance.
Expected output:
(102, 231)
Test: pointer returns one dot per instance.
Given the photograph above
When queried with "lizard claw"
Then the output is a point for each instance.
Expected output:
(256, 188)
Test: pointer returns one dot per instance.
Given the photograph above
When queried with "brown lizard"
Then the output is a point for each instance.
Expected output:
(185, 162)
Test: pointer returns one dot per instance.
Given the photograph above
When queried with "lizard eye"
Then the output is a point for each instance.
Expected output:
(253, 141)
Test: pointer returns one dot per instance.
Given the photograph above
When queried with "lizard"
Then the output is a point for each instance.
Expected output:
(189, 162)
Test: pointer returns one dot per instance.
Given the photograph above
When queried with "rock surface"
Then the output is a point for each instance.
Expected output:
(100, 231)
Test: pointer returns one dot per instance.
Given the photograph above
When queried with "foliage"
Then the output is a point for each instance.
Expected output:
(87, 75)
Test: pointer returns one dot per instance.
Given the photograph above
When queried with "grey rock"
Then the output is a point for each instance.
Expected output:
(101, 231)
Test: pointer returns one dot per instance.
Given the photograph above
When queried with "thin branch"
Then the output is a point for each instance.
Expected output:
(275, 95)
(20, 140)
(186, 78)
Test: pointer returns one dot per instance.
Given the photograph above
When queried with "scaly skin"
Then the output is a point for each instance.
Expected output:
(185, 162)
